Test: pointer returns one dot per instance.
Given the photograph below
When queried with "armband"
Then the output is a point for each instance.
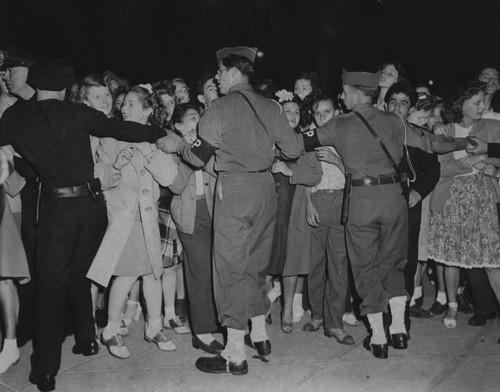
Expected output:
(311, 140)
(202, 149)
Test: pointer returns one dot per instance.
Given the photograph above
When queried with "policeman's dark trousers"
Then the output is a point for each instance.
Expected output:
(28, 236)
(198, 270)
(377, 244)
(244, 216)
(414, 219)
(69, 234)
(328, 280)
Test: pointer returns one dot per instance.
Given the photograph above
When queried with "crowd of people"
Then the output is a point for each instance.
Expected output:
(199, 205)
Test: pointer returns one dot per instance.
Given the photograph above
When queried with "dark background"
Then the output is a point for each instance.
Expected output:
(144, 40)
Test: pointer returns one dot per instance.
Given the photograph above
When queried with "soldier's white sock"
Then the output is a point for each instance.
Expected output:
(398, 305)
(441, 298)
(377, 326)
(259, 333)
(235, 346)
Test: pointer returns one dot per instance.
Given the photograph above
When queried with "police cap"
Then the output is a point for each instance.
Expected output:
(51, 75)
(17, 57)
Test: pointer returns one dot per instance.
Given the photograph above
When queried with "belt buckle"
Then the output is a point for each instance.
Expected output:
(367, 181)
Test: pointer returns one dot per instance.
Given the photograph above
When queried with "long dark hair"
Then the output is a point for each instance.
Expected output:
(453, 110)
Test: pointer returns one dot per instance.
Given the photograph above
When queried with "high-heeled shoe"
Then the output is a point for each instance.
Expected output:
(450, 317)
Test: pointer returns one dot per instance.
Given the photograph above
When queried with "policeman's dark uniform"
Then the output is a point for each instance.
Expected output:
(245, 202)
(53, 136)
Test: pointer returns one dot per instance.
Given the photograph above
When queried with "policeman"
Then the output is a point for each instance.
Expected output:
(377, 227)
(241, 129)
(53, 136)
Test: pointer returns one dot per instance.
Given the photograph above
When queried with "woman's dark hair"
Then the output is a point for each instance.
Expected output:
(243, 64)
(179, 113)
(117, 112)
(148, 99)
(453, 110)
(312, 77)
(266, 87)
(399, 68)
(164, 86)
(325, 95)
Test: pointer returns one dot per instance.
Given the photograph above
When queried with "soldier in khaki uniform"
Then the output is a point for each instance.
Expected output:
(244, 131)
(377, 228)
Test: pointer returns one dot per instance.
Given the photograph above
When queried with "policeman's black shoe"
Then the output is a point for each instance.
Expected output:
(215, 347)
(378, 350)
(86, 348)
(219, 364)
(438, 308)
(44, 383)
(478, 321)
(263, 348)
(463, 305)
(417, 311)
(399, 341)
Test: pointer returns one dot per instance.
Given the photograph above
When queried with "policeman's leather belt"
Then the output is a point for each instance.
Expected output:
(62, 192)
(371, 181)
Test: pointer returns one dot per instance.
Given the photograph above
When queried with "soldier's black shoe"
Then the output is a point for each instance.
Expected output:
(438, 308)
(219, 364)
(399, 341)
(263, 348)
(378, 350)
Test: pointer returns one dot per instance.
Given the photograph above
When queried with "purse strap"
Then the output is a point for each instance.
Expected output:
(254, 112)
(382, 145)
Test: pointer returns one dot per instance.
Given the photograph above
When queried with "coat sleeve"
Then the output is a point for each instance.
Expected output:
(162, 167)
(181, 179)
(307, 171)
(429, 176)
(107, 151)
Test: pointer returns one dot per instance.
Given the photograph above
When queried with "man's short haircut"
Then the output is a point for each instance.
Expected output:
(484, 66)
(366, 91)
(241, 63)
(402, 87)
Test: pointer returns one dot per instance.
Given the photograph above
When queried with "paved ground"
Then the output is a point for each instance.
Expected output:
(438, 360)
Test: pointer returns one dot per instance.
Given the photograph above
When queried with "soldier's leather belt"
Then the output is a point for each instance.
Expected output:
(330, 190)
(371, 181)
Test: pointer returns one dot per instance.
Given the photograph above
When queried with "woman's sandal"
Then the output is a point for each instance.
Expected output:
(286, 327)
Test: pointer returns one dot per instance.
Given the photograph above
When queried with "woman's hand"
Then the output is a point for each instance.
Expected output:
(281, 167)
(6, 159)
(481, 147)
(326, 155)
(124, 157)
(312, 216)
(190, 136)
(470, 161)
(489, 170)
(414, 198)
(440, 129)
